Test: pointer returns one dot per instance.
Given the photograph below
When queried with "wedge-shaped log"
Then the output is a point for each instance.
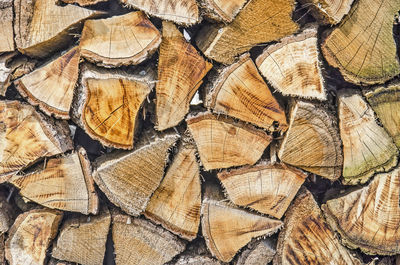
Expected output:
(51, 87)
(119, 40)
(65, 184)
(385, 102)
(258, 252)
(27, 136)
(292, 66)
(307, 239)
(259, 21)
(139, 242)
(181, 70)
(6, 23)
(176, 202)
(367, 147)
(222, 10)
(312, 141)
(184, 12)
(129, 178)
(363, 46)
(223, 143)
(42, 26)
(83, 239)
(84, 2)
(328, 11)
(241, 92)
(267, 188)
(30, 236)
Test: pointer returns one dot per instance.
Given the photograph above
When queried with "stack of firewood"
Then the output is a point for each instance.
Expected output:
(199, 132)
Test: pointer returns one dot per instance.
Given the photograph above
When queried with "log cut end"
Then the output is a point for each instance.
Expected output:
(6, 24)
(222, 10)
(328, 11)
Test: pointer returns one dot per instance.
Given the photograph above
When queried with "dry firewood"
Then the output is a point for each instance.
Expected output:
(307, 239)
(223, 143)
(84, 2)
(368, 218)
(181, 70)
(222, 10)
(42, 26)
(267, 188)
(259, 252)
(65, 184)
(5, 72)
(139, 242)
(312, 141)
(54, 261)
(185, 12)
(293, 66)
(51, 87)
(241, 92)
(385, 102)
(129, 178)
(176, 202)
(367, 147)
(27, 136)
(328, 11)
(119, 40)
(30, 236)
(259, 21)
(7, 214)
(363, 45)
(196, 260)
(6, 24)
(83, 239)
(3, 250)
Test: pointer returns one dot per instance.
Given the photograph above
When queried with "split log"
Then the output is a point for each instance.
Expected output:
(259, 252)
(307, 239)
(6, 24)
(267, 188)
(222, 10)
(363, 45)
(42, 26)
(223, 143)
(185, 12)
(181, 70)
(27, 136)
(197, 260)
(7, 215)
(119, 40)
(241, 92)
(65, 184)
(312, 141)
(328, 11)
(367, 147)
(83, 239)
(5, 72)
(293, 66)
(259, 21)
(176, 202)
(53, 261)
(139, 242)
(369, 218)
(30, 236)
(51, 87)
(84, 2)
(129, 178)
(108, 104)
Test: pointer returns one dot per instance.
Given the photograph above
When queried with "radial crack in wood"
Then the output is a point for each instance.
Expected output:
(222, 10)
(328, 11)
(6, 24)
(223, 143)
(259, 252)
(293, 67)
(181, 70)
(363, 45)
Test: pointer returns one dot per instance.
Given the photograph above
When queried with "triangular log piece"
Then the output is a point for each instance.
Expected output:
(83, 239)
(363, 45)
(119, 40)
(259, 21)
(6, 24)
(328, 11)
(385, 101)
(312, 141)
(65, 184)
(185, 12)
(241, 92)
(267, 188)
(108, 105)
(84, 2)
(7, 214)
(42, 26)
(369, 218)
(30, 236)
(258, 252)
(181, 70)
(51, 87)
(176, 202)
(367, 147)
(222, 10)
(129, 178)
(223, 143)
(307, 239)
(27, 136)
(293, 67)
(196, 260)
(227, 229)
(139, 242)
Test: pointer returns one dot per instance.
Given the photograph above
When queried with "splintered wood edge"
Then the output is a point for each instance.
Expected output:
(93, 200)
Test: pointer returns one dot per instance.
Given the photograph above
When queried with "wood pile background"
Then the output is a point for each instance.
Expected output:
(209, 132)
